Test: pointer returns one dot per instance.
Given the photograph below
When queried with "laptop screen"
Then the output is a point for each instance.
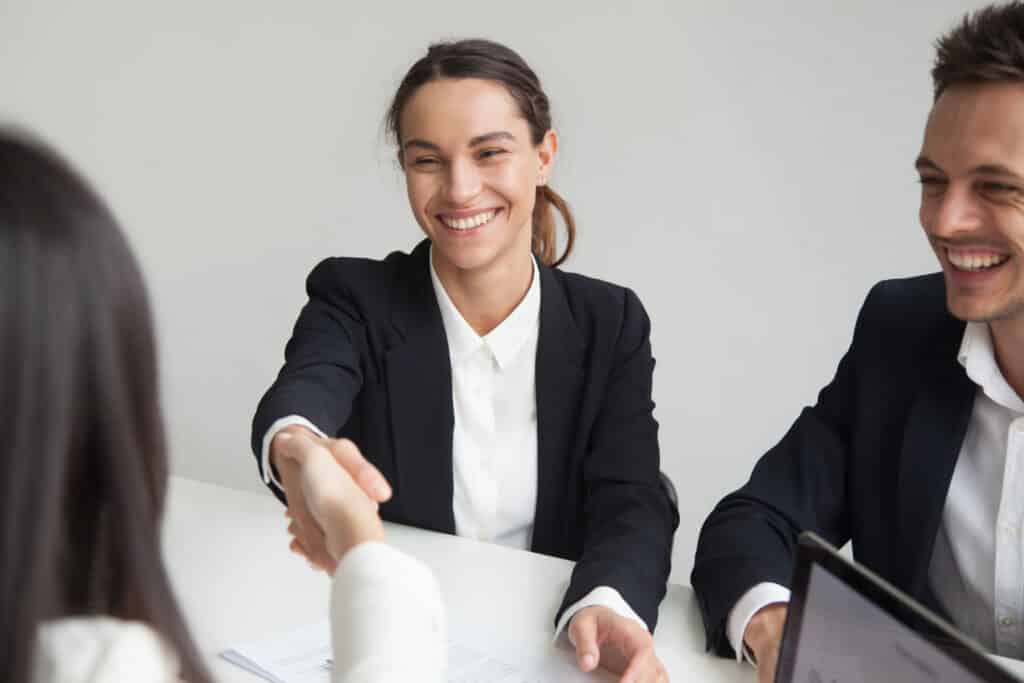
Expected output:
(846, 625)
(845, 638)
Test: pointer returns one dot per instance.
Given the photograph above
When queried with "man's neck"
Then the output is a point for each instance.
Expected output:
(1008, 345)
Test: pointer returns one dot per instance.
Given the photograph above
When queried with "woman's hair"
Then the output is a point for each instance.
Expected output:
(81, 438)
(494, 62)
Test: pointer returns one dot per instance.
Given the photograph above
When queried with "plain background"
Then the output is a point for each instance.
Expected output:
(746, 167)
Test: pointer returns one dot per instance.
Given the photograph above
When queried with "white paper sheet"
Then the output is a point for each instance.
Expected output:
(303, 655)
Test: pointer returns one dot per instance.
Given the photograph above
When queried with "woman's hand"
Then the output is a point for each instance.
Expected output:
(620, 645)
(332, 494)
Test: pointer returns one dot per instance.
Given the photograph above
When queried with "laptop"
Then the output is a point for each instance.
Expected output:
(847, 625)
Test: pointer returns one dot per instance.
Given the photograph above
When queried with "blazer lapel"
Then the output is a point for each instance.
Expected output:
(418, 371)
(559, 382)
(934, 434)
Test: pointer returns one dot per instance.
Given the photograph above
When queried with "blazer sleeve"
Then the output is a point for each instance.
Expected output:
(800, 484)
(322, 372)
(629, 519)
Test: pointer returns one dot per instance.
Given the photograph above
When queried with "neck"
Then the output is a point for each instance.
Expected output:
(486, 296)
(1008, 345)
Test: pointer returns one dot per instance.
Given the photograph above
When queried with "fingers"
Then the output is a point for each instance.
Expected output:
(311, 546)
(645, 667)
(369, 478)
(583, 632)
(302, 525)
(622, 645)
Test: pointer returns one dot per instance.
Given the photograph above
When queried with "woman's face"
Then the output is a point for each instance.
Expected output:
(472, 172)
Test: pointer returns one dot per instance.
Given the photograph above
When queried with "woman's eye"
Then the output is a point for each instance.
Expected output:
(931, 184)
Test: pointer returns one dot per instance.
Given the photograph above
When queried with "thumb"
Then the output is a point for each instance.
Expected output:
(368, 477)
(583, 633)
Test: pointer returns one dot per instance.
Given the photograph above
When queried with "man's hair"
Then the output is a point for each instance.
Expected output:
(987, 46)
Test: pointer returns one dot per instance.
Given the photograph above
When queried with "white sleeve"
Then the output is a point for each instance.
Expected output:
(755, 599)
(387, 618)
(604, 596)
(265, 469)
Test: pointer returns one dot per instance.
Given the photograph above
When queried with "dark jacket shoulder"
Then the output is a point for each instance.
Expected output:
(346, 278)
(600, 306)
(907, 319)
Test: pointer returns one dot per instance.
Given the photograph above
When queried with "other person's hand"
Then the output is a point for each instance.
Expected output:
(291, 449)
(764, 637)
(620, 645)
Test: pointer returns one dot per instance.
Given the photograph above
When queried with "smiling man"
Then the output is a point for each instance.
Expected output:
(915, 450)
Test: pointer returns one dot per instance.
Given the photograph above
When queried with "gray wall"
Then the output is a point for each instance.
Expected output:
(746, 167)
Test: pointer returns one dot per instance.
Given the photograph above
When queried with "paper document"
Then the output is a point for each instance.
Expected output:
(304, 656)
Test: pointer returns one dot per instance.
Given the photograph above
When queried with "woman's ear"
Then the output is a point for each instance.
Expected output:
(546, 152)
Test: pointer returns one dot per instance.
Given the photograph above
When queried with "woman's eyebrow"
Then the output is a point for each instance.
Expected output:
(415, 142)
(491, 137)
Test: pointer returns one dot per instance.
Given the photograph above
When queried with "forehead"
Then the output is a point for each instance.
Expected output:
(451, 111)
(974, 125)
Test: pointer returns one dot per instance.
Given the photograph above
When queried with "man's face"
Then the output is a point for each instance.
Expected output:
(972, 198)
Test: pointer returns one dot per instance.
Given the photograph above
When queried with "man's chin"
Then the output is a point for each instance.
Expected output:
(976, 309)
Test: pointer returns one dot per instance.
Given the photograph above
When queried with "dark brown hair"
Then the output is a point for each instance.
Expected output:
(494, 62)
(83, 451)
(987, 46)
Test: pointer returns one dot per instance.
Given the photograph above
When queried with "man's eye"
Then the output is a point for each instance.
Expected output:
(998, 188)
(425, 161)
(932, 186)
(491, 153)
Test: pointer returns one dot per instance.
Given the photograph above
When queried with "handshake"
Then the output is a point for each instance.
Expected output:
(333, 493)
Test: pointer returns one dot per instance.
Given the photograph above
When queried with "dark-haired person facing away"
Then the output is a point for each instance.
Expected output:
(915, 450)
(503, 398)
(84, 596)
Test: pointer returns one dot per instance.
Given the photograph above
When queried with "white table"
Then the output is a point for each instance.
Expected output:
(236, 580)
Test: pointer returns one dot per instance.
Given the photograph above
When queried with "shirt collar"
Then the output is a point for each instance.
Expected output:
(505, 340)
(978, 358)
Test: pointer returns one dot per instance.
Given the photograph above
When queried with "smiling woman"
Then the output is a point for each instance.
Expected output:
(502, 398)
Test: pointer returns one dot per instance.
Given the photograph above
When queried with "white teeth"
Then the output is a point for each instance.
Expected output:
(965, 260)
(468, 223)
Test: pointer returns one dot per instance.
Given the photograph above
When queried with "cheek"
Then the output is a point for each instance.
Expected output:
(516, 184)
(926, 212)
(420, 190)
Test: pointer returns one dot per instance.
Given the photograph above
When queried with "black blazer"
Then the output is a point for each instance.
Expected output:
(871, 462)
(368, 360)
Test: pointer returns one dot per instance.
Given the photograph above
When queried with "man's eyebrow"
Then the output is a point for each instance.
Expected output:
(923, 163)
(491, 137)
(422, 144)
(994, 169)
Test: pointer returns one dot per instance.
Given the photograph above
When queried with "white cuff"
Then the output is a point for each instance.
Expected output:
(605, 596)
(755, 599)
(265, 469)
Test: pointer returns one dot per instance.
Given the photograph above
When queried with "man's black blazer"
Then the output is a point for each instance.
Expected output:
(368, 360)
(871, 462)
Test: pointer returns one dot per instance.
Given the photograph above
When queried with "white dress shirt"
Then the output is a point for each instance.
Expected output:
(494, 442)
(383, 602)
(977, 566)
